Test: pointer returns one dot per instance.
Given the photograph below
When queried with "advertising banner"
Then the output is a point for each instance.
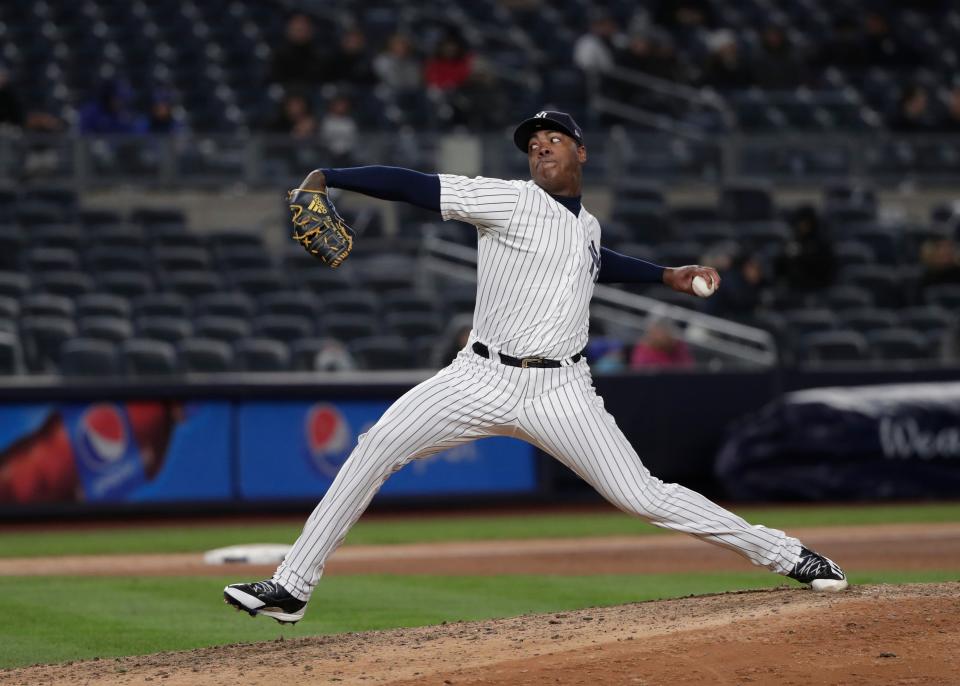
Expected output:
(294, 449)
(111, 452)
(866, 442)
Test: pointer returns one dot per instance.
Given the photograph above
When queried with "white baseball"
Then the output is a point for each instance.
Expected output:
(702, 287)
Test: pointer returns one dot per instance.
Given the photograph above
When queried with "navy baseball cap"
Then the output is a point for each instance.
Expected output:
(547, 121)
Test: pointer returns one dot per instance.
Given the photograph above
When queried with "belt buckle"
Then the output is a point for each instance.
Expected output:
(531, 362)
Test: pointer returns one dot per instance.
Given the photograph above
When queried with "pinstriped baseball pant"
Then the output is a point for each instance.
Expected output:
(554, 409)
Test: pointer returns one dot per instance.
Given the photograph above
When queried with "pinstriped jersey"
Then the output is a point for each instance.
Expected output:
(536, 268)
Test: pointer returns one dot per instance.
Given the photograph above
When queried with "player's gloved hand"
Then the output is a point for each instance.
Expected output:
(318, 227)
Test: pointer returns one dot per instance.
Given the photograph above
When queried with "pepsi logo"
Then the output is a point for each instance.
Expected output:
(328, 437)
(103, 435)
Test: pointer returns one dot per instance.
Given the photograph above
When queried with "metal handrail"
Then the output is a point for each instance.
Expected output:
(732, 339)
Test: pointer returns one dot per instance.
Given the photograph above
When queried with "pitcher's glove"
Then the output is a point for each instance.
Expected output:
(318, 227)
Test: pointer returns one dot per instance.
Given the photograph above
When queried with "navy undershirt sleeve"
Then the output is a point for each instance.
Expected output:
(617, 268)
(388, 183)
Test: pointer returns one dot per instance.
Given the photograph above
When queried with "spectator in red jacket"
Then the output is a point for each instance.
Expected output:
(661, 347)
(450, 65)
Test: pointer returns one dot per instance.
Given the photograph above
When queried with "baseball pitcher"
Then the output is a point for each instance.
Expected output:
(522, 372)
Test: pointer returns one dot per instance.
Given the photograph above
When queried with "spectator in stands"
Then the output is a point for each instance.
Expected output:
(339, 131)
(951, 117)
(333, 356)
(11, 108)
(845, 47)
(450, 65)
(661, 346)
(740, 293)
(111, 111)
(725, 68)
(913, 113)
(777, 66)
(593, 52)
(397, 67)
(295, 117)
(684, 15)
(606, 355)
(161, 118)
(807, 261)
(652, 52)
(298, 62)
(941, 263)
(352, 65)
(479, 104)
(881, 47)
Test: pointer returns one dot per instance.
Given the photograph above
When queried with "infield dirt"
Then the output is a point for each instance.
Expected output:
(906, 634)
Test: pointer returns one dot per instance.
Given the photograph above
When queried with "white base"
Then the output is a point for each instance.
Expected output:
(828, 585)
(251, 554)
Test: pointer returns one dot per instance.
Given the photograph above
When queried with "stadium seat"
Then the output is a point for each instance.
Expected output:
(225, 304)
(190, 284)
(180, 259)
(283, 327)
(89, 357)
(898, 344)
(9, 308)
(147, 357)
(383, 352)
(13, 284)
(848, 298)
(243, 257)
(946, 296)
(321, 280)
(348, 327)
(44, 304)
(42, 338)
(125, 283)
(9, 355)
(409, 301)
(111, 259)
(113, 329)
(161, 305)
(296, 303)
(412, 324)
(885, 283)
(868, 319)
(746, 202)
(12, 243)
(354, 302)
(807, 321)
(221, 328)
(204, 356)
(927, 320)
(261, 355)
(168, 329)
(256, 282)
(102, 305)
(68, 283)
(834, 346)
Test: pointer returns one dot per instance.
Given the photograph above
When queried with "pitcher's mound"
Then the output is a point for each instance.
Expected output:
(867, 635)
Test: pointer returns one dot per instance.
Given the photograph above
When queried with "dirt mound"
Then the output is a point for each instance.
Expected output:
(868, 635)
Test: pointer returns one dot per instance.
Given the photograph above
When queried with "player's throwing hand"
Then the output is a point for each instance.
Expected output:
(681, 278)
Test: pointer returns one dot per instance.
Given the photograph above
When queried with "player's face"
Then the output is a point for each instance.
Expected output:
(555, 162)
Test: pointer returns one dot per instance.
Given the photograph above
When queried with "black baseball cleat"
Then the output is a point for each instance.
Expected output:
(266, 598)
(822, 573)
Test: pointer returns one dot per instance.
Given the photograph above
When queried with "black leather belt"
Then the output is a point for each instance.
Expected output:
(483, 351)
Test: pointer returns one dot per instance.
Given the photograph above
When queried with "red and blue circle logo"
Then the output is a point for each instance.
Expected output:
(103, 436)
(328, 438)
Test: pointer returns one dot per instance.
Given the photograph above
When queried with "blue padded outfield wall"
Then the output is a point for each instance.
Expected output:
(237, 443)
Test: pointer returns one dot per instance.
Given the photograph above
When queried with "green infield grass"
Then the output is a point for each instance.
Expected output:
(161, 538)
(53, 619)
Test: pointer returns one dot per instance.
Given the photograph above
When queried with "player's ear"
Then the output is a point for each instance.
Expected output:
(582, 153)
